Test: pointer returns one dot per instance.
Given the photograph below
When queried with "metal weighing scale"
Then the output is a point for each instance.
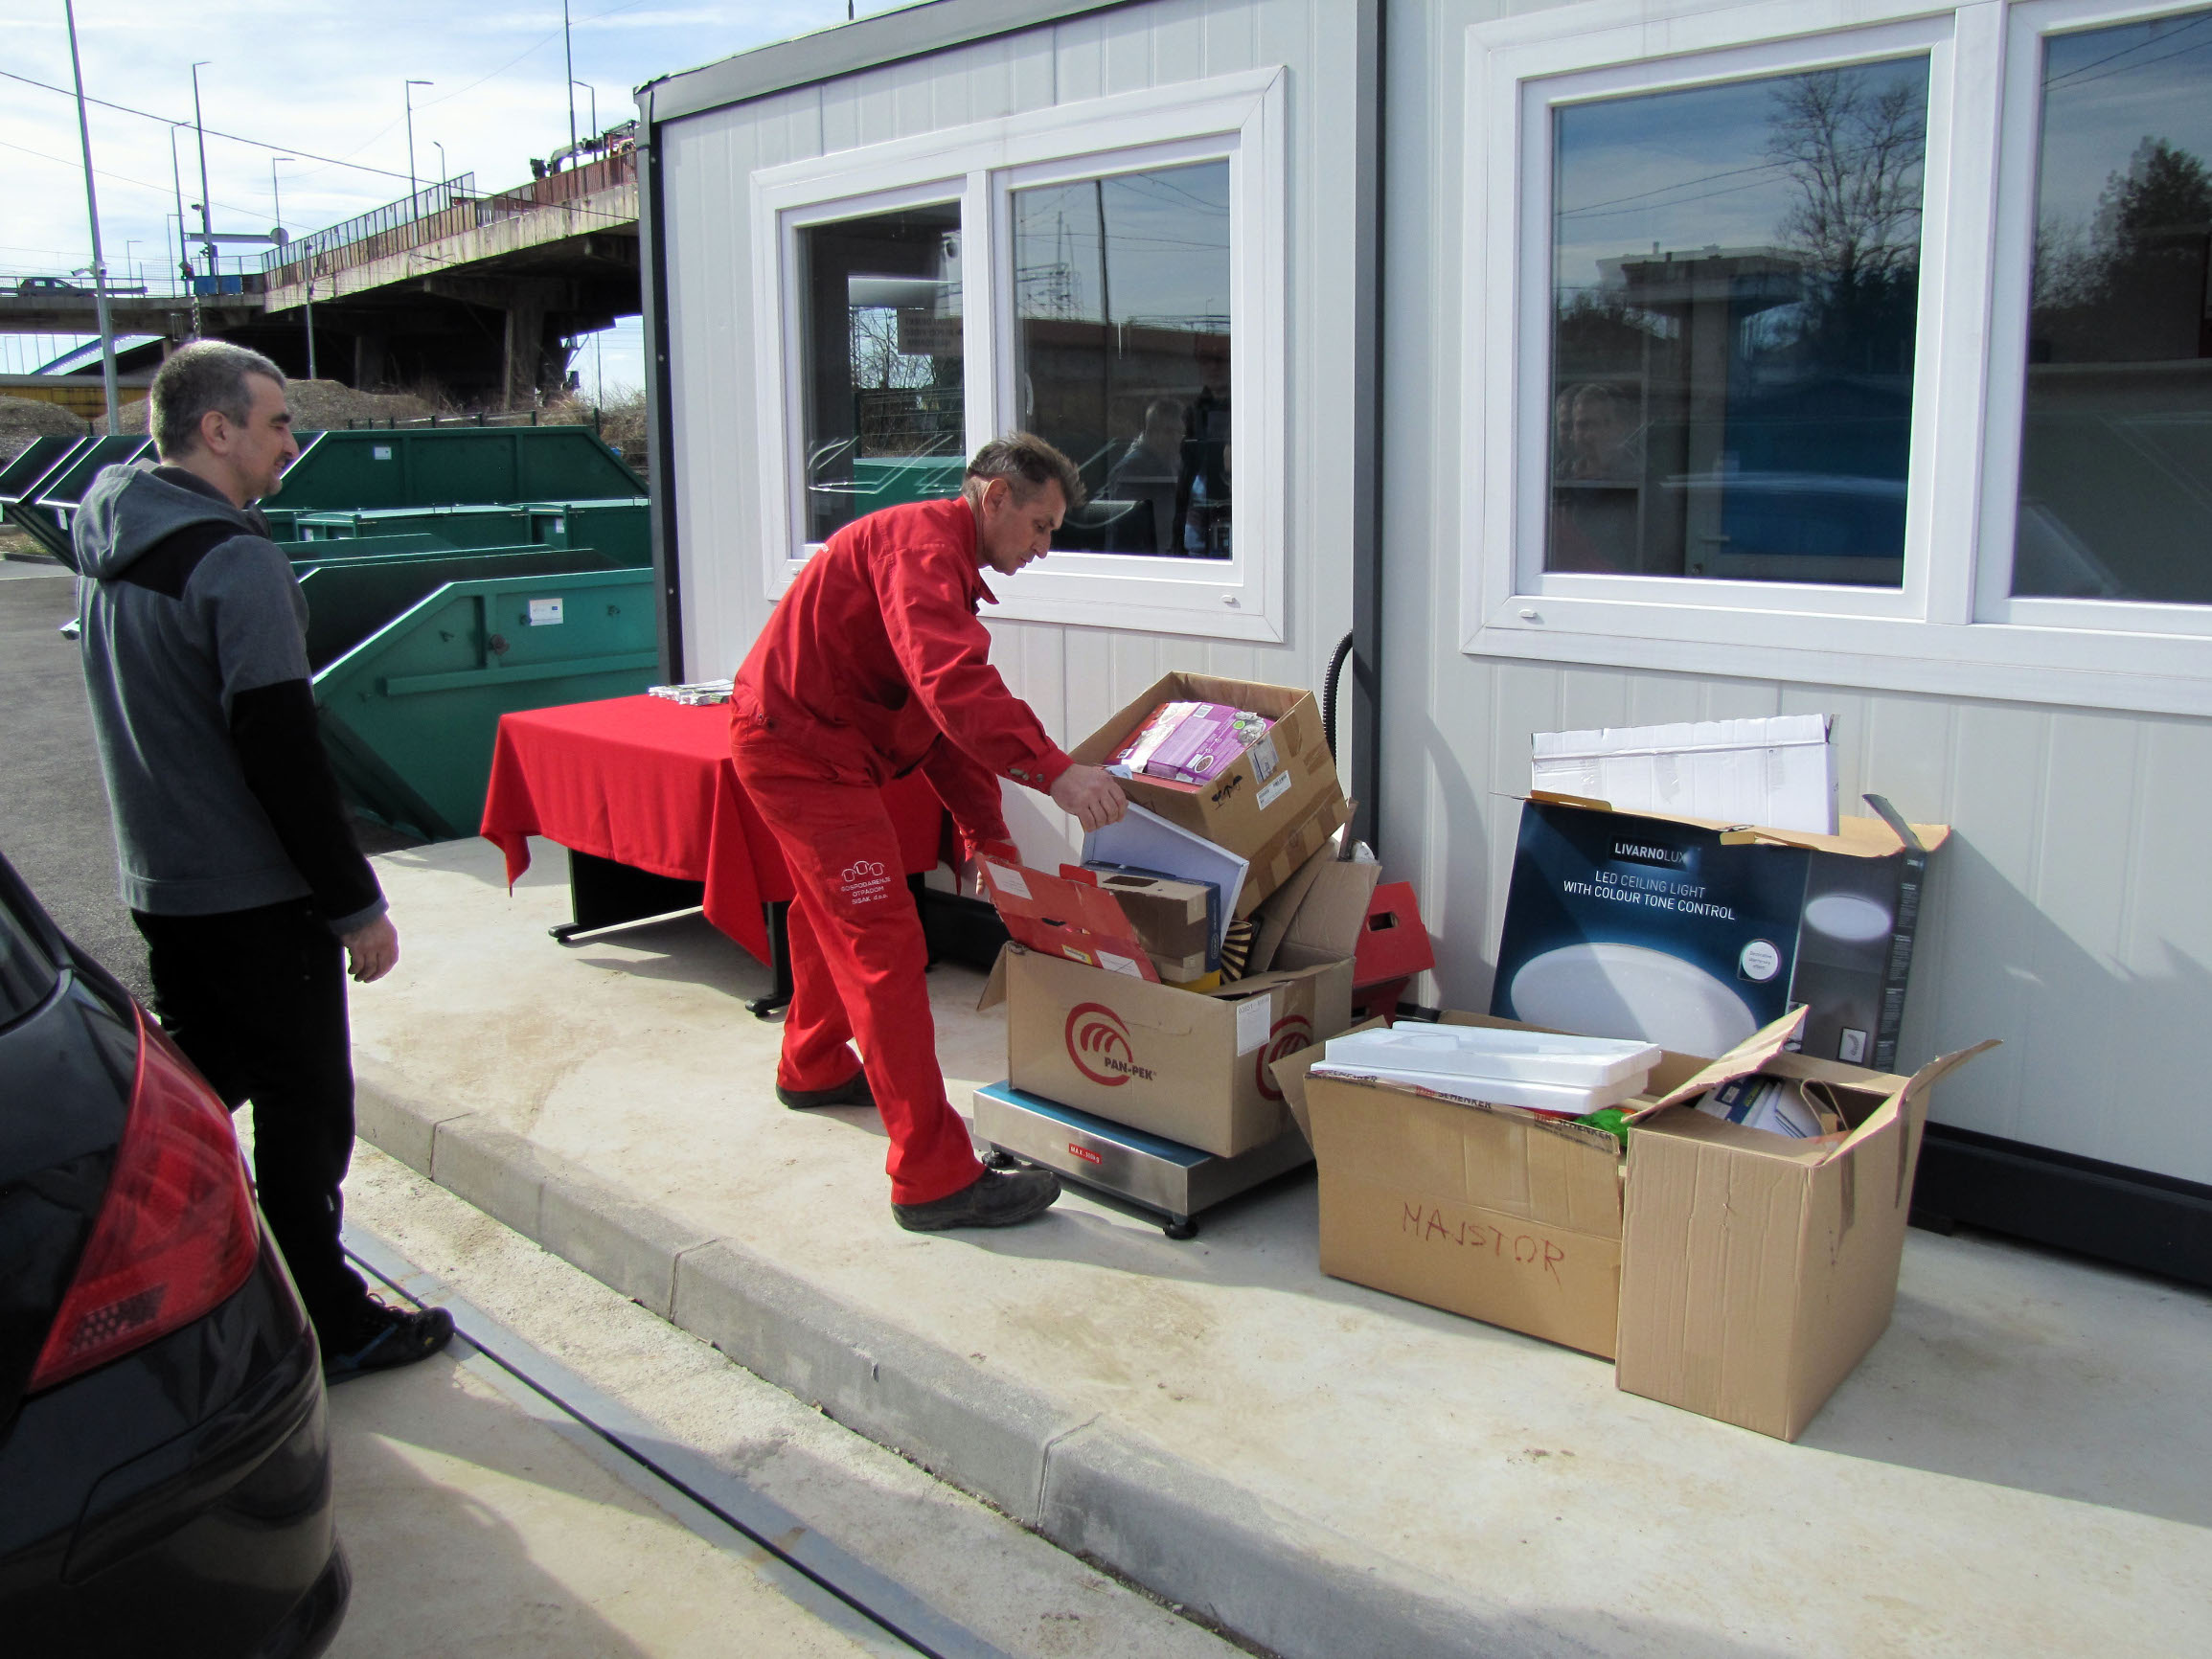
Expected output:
(1173, 1181)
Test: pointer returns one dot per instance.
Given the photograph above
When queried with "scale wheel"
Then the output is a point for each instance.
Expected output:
(999, 1158)
(1186, 1228)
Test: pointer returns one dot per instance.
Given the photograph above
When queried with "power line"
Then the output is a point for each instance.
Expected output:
(161, 190)
(234, 138)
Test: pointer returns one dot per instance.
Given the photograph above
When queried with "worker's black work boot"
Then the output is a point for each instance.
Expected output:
(853, 1091)
(995, 1198)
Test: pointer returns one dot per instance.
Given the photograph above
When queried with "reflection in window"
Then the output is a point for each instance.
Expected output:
(884, 421)
(2116, 445)
(1122, 352)
(1736, 279)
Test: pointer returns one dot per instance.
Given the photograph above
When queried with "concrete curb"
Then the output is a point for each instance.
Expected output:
(1180, 1531)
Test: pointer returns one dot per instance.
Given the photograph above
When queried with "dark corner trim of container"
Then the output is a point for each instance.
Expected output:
(659, 403)
(2132, 1217)
(1366, 708)
(848, 48)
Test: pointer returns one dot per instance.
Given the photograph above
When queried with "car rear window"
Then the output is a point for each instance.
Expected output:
(27, 974)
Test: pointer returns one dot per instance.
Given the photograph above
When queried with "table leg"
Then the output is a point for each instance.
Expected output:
(779, 920)
(604, 894)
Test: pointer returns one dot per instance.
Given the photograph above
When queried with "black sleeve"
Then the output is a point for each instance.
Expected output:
(280, 751)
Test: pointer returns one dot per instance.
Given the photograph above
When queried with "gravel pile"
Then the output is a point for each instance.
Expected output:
(23, 418)
(317, 406)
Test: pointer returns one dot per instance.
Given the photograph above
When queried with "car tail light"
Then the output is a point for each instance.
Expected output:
(176, 1234)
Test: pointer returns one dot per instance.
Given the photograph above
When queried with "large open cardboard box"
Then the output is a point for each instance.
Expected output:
(1193, 1066)
(1735, 1274)
(1274, 808)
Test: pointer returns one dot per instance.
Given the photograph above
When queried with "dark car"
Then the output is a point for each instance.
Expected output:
(48, 285)
(164, 1458)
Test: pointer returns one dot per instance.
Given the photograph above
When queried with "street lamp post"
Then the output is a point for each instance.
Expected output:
(276, 202)
(569, 60)
(444, 172)
(206, 221)
(92, 214)
(183, 253)
(594, 92)
(408, 96)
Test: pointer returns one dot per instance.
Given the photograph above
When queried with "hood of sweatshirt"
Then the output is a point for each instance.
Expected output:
(130, 510)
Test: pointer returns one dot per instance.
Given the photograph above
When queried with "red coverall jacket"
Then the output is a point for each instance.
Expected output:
(875, 662)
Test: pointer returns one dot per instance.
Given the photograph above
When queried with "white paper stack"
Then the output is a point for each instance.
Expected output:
(1537, 1071)
(1777, 770)
(693, 694)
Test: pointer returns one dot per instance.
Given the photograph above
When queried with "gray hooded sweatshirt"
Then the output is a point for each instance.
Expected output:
(194, 649)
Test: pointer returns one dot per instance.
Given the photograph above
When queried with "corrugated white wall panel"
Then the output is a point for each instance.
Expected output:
(2069, 915)
(1072, 676)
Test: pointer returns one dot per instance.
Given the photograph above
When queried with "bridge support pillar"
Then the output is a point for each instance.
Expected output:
(525, 344)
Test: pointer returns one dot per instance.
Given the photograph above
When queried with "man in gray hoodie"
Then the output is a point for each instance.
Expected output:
(238, 856)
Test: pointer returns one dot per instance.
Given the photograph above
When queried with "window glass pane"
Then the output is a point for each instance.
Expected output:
(2116, 443)
(1736, 280)
(1122, 352)
(884, 418)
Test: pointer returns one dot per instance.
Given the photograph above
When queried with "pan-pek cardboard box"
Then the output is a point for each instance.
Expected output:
(1274, 807)
(1191, 1066)
(1505, 1216)
(1758, 1270)
(1733, 1273)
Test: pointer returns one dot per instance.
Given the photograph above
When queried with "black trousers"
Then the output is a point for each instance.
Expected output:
(257, 1000)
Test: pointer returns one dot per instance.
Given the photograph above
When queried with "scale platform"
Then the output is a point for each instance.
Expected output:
(1173, 1181)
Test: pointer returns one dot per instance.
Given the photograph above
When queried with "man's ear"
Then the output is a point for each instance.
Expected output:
(215, 431)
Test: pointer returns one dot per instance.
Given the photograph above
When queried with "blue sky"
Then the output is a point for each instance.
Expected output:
(325, 77)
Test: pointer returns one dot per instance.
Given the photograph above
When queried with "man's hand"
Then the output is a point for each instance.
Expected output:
(372, 951)
(1092, 794)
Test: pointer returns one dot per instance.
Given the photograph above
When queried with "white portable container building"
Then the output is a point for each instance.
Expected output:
(1595, 364)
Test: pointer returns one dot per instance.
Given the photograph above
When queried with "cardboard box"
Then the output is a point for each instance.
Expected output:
(1191, 1066)
(1173, 919)
(1757, 1272)
(1694, 934)
(1074, 920)
(1504, 1216)
(1735, 1274)
(1274, 806)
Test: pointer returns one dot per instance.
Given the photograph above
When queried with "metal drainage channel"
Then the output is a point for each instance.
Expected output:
(807, 1567)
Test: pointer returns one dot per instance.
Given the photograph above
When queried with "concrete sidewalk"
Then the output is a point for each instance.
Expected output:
(2023, 1466)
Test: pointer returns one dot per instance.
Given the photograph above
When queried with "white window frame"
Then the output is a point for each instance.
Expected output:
(1239, 118)
(1948, 629)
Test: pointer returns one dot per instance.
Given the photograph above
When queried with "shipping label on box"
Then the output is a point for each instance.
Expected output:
(1274, 806)
(1194, 1067)
(1696, 935)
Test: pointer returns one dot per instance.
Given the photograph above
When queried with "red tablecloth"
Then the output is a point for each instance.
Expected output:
(648, 783)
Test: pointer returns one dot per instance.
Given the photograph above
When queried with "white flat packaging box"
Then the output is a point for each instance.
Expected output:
(1507, 1056)
(1554, 1100)
(1776, 770)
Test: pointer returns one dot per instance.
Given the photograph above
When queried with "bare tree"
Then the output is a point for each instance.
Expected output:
(1853, 152)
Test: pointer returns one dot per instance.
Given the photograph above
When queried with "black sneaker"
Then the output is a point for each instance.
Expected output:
(853, 1091)
(994, 1199)
(385, 1337)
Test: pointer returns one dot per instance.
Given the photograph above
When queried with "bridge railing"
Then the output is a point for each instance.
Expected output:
(448, 209)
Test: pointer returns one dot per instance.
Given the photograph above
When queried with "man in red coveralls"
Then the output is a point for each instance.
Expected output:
(875, 663)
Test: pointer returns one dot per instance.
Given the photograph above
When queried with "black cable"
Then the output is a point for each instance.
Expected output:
(1328, 692)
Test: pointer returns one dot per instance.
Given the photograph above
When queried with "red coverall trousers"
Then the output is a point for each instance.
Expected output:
(858, 962)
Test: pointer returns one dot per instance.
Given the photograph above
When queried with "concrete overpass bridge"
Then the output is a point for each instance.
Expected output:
(479, 297)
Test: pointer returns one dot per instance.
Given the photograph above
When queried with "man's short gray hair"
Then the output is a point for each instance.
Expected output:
(203, 376)
(1028, 463)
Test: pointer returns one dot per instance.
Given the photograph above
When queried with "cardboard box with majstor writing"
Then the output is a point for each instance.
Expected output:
(1275, 806)
(1734, 1273)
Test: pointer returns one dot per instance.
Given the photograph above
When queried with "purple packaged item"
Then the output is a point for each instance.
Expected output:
(1200, 748)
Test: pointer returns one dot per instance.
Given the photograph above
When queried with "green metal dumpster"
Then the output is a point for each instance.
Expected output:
(429, 467)
(409, 715)
(19, 482)
(348, 599)
(491, 525)
(623, 527)
(305, 556)
(62, 490)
